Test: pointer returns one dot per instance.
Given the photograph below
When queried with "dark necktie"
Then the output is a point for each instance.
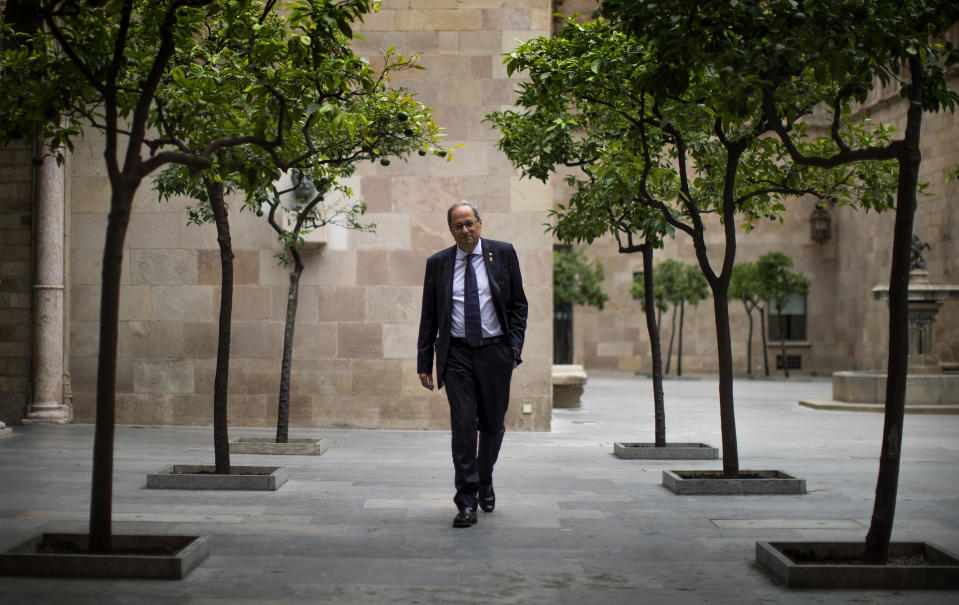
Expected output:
(471, 306)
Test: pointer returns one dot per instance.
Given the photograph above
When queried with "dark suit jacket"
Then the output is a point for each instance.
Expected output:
(506, 286)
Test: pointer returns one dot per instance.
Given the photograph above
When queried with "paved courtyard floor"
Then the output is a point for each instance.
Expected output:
(369, 520)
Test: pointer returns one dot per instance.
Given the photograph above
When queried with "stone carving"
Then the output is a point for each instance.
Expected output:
(303, 188)
(916, 261)
(925, 299)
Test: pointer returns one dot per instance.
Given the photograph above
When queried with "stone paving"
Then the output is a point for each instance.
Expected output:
(369, 520)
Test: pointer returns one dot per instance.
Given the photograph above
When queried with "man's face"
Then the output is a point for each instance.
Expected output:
(465, 227)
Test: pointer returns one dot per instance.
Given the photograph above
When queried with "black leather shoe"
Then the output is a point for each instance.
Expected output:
(487, 498)
(465, 517)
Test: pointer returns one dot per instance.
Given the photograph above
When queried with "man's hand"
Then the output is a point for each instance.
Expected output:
(427, 380)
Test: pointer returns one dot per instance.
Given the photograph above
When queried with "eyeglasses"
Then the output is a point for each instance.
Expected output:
(467, 225)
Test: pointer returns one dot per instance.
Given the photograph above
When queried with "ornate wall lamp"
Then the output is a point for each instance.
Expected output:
(820, 224)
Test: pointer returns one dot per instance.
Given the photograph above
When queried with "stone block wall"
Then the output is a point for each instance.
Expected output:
(16, 292)
(461, 44)
(355, 341)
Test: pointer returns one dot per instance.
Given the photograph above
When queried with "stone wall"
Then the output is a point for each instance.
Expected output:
(355, 341)
(15, 281)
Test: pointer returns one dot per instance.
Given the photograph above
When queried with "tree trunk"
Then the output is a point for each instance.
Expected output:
(887, 484)
(749, 341)
(101, 493)
(283, 409)
(679, 350)
(782, 341)
(727, 416)
(719, 284)
(659, 411)
(672, 336)
(762, 328)
(720, 287)
(221, 437)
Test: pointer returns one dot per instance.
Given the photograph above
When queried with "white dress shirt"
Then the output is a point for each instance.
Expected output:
(491, 326)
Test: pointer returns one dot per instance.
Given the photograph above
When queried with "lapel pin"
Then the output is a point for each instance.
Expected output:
(490, 257)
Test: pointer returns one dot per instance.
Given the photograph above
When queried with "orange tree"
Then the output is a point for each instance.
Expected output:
(677, 283)
(545, 141)
(325, 108)
(779, 60)
(69, 65)
(664, 148)
(745, 287)
(777, 282)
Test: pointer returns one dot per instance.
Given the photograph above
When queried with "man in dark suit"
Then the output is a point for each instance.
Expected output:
(474, 318)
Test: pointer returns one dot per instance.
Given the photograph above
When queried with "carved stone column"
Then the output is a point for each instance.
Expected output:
(923, 308)
(925, 300)
(48, 324)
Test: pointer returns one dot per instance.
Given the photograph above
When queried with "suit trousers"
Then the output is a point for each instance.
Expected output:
(477, 388)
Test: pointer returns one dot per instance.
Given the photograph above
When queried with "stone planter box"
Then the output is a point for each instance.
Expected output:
(672, 451)
(201, 477)
(568, 383)
(750, 483)
(268, 445)
(24, 560)
(942, 572)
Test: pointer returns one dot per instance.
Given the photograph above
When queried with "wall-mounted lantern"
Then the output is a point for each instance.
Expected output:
(820, 225)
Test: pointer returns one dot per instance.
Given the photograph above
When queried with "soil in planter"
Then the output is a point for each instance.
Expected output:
(65, 547)
(740, 475)
(205, 472)
(806, 558)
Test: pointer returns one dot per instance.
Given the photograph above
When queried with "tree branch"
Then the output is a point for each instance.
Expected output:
(685, 195)
(611, 106)
(67, 48)
(887, 152)
(782, 190)
(644, 144)
(631, 248)
(172, 157)
(160, 61)
(834, 127)
(274, 202)
(668, 215)
(267, 7)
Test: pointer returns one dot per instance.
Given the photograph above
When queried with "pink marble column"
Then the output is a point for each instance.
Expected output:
(48, 324)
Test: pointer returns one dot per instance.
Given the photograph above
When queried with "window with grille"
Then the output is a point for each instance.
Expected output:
(793, 362)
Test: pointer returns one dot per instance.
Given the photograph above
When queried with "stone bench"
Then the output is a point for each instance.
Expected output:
(568, 382)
